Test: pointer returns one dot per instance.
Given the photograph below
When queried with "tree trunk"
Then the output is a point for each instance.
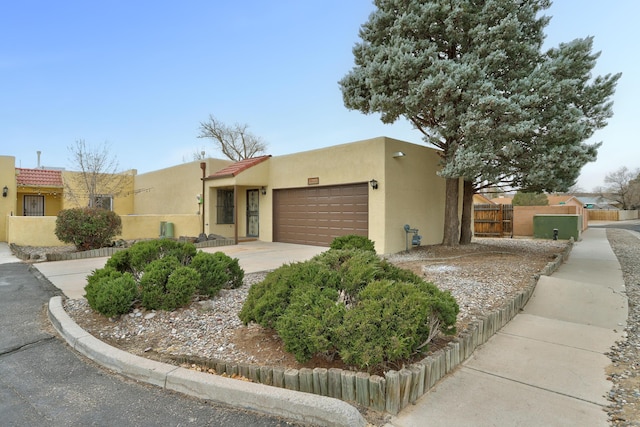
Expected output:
(451, 222)
(466, 233)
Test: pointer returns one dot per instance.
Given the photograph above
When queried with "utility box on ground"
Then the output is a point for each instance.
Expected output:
(166, 229)
(568, 226)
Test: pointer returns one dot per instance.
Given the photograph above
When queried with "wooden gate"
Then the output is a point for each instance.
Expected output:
(493, 220)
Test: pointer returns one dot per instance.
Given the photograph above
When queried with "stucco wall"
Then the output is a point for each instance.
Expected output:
(628, 215)
(253, 178)
(120, 187)
(7, 204)
(523, 216)
(148, 226)
(39, 230)
(340, 164)
(33, 231)
(173, 190)
(416, 196)
(53, 199)
(409, 190)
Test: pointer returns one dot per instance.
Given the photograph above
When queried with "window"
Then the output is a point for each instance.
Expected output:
(104, 202)
(225, 207)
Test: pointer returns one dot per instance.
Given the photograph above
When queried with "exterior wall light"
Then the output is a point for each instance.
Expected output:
(374, 184)
(263, 190)
(398, 154)
(5, 191)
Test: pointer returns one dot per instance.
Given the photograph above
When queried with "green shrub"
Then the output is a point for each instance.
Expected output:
(143, 253)
(113, 294)
(443, 306)
(351, 302)
(387, 324)
(94, 281)
(352, 241)
(87, 228)
(153, 282)
(268, 300)
(166, 284)
(120, 261)
(180, 288)
(212, 276)
(162, 278)
(217, 271)
(307, 325)
(359, 269)
(393, 272)
(235, 272)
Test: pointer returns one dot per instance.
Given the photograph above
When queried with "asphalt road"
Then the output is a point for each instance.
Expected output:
(43, 382)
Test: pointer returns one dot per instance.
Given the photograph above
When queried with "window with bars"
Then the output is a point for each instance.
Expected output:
(104, 202)
(225, 207)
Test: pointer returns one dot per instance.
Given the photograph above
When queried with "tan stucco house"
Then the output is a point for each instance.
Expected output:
(372, 188)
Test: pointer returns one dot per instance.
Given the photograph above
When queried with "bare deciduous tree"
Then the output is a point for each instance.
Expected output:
(195, 156)
(97, 177)
(624, 187)
(235, 142)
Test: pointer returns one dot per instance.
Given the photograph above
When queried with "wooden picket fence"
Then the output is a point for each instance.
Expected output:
(397, 389)
(602, 215)
(492, 220)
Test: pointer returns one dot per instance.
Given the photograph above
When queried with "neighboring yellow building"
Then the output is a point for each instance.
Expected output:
(372, 188)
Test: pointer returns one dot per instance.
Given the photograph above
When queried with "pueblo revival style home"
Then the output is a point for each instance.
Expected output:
(372, 188)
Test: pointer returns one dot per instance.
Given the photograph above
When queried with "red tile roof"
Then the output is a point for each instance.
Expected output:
(235, 168)
(39, 177)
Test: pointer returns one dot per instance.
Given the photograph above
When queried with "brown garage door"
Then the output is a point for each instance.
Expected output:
(316, 215)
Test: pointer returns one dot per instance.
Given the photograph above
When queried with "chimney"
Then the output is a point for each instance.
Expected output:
(39, 152)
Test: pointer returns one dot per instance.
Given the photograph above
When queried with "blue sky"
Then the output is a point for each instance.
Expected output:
(141, 76)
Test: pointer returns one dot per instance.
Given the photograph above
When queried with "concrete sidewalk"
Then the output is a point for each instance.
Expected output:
(6, 256)
(547, 366)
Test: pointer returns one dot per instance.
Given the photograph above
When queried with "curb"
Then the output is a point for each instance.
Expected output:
(293, 405)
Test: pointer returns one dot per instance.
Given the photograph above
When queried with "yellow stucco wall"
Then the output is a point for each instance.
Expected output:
(173, 190)
(409, 190)
(7, 204)
(40, 231)
(228, 230)
(148, 226)
(351, 163)
(52, 199)
(414, 194)
(33, 231)
(120, 187)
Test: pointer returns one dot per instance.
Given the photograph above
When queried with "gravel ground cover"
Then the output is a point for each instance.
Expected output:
(624, 396)
(481, 276)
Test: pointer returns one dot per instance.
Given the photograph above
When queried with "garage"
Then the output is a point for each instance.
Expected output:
(316, 215)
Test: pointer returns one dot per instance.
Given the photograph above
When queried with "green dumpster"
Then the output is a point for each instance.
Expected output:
(568, 226)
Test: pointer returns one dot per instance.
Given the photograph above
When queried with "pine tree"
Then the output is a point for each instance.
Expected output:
(471, 77)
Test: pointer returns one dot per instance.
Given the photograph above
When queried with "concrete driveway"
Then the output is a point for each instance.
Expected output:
(71, 276)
